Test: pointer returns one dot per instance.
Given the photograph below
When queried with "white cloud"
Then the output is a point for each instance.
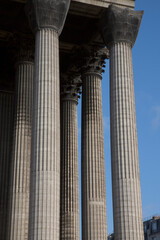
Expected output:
(156, 118)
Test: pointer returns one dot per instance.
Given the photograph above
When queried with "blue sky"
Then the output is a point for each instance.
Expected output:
(146, 66)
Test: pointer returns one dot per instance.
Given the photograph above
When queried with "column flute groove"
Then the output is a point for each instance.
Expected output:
(21, 151)
(69, 163)
(94, 222)
(45, 169)
(120, 29)
(123, 126)
(47, 19)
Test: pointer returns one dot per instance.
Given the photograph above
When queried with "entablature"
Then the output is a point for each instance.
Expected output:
(81, 28)
(106, 3)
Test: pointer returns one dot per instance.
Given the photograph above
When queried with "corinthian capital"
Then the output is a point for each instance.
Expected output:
(47, 14)
(95, 62)
(121, 25)
(71, 88)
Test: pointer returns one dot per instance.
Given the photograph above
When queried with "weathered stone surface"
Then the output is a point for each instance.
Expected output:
(127, 206)
(49, 14)
(22, 48)
(21, 150)
(119, 29)
(71, 88)
(95, 62)
(44, 217)
(120, 25)
(94, 222)
(69, 164)
(106, 3)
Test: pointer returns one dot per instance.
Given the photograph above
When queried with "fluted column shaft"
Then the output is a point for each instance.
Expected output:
(21, 153)
(6, 126)
(45, 159)
(120, 28)
(125, 163)
(94, 225)
(47, 19)
(69, 170)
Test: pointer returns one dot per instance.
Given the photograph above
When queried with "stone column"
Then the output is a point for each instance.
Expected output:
(94, 222)
(120, 29)
(6, 127)
(69, 163)
(47, 20)
(21, 149)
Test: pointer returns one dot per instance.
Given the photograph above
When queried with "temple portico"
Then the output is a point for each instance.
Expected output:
(41, 85)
